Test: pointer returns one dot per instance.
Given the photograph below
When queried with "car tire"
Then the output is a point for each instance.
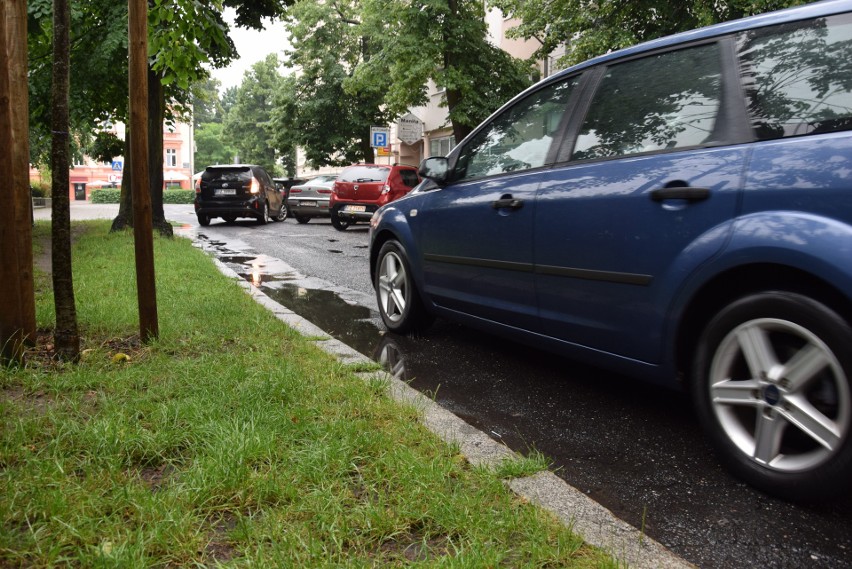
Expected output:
(229, 219)
(339, 223)
(203, 219)
(282, 213)
(771, 386)
(400, 304)
(302, 219)
(263, 218)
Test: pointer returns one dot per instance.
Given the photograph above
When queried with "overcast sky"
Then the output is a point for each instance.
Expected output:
(253, 46)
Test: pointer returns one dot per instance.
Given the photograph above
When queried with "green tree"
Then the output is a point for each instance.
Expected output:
(183, 35)
(330, 122)
(228, 100)
(98, 60)
(587, 29)
(211, 147)
(444, 41)
(249, 122)
(206, 105)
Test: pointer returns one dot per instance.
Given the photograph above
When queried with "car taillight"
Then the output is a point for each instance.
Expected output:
(198, 186)
(255, 186)
(323, 191)
(295, 191)
(386, 189)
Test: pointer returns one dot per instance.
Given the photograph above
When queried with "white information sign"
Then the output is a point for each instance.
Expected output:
(409, 129)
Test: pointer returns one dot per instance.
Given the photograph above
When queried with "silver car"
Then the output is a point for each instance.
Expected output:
(311, 198)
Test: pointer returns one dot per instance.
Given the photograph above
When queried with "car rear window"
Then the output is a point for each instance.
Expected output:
(319, 180)
(797, 77)
(227, 174)
(364, 174)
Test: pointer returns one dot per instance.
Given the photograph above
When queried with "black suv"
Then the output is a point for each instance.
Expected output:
(230, 191)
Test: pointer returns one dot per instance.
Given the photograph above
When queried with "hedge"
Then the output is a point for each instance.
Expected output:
(106, 195)
(113, 195)
(178, 196)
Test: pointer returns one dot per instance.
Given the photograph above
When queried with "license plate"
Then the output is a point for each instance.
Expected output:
(308, 204)
(355, 208)
(225, 192)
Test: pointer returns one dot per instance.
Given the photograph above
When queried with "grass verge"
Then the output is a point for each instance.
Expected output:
(232, 441)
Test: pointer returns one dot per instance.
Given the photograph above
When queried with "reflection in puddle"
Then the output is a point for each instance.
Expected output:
(237, 259)
(352, 324)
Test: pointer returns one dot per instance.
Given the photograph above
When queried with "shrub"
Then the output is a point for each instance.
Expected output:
(106, 195)
(178, 196)
(113, 195)
(40, 189)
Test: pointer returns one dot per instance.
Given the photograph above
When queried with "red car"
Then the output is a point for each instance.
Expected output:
(361, 189)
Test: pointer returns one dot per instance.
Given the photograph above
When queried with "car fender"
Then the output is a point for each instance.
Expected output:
(816, 245)
(398, 220)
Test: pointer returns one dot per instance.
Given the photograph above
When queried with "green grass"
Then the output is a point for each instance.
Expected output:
(233, 441)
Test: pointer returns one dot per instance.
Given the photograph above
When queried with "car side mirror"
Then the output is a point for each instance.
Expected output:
(436, 169)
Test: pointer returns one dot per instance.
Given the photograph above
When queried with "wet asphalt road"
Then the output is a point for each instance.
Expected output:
(633, 447)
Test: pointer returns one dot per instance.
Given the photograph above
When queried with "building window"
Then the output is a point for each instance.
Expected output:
(441, 146)
(171, 157)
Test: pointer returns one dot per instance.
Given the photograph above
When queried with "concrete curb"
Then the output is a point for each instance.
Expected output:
(588, 519)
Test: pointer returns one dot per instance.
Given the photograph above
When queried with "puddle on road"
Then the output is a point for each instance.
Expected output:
(351, 323)
(354, 325)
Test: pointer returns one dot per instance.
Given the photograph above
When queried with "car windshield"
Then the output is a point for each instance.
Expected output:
(365, 174)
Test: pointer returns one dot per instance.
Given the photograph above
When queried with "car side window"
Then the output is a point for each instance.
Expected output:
(409, 178)
(519, 138)
(798, 77)
(665, 101)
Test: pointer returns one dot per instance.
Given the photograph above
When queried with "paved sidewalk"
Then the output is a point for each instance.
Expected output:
(89, 210)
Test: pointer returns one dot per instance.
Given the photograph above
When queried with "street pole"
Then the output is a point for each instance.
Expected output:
(139, 179)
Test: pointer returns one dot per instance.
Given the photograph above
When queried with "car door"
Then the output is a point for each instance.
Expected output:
(646, 193)
(273, 196)
(478, 230)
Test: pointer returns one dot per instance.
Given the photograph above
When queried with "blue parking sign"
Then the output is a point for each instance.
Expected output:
(379, 136)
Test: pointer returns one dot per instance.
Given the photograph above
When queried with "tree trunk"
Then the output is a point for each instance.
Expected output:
(17, 308)
(156, 117)
(367, 148)
(66, 335)
(124, 219)
(143, 241)
(459, 130)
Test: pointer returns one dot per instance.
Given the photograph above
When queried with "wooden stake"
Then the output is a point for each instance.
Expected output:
(142, 224)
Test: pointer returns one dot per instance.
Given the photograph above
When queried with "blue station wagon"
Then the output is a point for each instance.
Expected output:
(680, 211)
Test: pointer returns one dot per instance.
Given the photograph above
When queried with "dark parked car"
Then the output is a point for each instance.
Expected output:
(284, 185)
(680, 211)
(310, 199)
(230, 191)
(361, 189)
